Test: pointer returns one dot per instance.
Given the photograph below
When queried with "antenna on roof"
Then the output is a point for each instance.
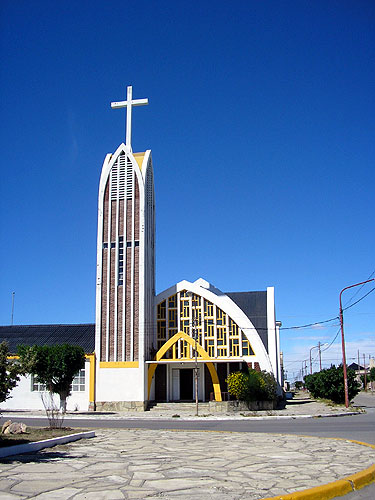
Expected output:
(11, 319)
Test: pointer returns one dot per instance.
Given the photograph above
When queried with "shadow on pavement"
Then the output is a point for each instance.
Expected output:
(38, 457)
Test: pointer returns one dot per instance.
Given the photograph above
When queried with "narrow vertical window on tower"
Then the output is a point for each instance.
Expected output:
(121, 261)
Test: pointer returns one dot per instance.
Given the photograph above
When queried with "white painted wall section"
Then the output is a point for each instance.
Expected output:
(120, 384)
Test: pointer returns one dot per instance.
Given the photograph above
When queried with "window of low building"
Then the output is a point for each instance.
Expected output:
(78, 384)
(36, 386)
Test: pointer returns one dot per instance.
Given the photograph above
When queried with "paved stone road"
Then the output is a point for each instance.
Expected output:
(129, 464)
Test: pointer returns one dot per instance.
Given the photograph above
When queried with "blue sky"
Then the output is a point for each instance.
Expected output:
(261, 125)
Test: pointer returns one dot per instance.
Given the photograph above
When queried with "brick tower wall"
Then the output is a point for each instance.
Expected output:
(119, 339)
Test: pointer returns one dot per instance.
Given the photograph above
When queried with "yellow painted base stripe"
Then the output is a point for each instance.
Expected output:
(91, 358)
(334, 489)
(119, 364)
(362, 478)
(151, 370)
(325, 492)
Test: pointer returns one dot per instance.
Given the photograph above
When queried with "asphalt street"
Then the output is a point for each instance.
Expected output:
(358, 427)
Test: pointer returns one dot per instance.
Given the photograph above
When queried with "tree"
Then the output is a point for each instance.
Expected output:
(54, 365)
(372, 377)
(298, 384)
(329, 384)
(9, 372)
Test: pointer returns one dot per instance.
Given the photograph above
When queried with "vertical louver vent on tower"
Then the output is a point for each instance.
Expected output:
(149, 188)
(129, 180)
(122, 178)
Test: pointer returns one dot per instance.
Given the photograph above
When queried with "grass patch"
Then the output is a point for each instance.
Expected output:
(35, 434)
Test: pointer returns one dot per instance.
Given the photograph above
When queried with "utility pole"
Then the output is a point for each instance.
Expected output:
(195, 335)
(343, 340)
(194, 324)
(320, 357)
(364, 368)
(11, 319)
(359, 371)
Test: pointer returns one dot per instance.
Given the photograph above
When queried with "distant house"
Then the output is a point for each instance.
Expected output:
(360, 370)
(356, 367)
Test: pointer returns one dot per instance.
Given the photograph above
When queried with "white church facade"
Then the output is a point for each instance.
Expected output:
(144, 347)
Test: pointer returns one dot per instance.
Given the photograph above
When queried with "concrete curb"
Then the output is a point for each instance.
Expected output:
(336, 488)
(17, 449)
(140, 416)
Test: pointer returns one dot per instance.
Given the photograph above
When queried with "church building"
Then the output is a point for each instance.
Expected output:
(145, 347)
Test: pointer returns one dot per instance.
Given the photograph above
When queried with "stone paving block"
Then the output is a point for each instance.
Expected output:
(63, 494)
(136, 482)
(147, 475)
(143, 493)
(100, 495)
(145, 467)
(178, 483)
(48, 476)
(186, 472)
(6, 483)
(37, 487)
(9, 496)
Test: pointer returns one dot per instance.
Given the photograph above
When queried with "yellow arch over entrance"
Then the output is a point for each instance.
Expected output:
(202, 353)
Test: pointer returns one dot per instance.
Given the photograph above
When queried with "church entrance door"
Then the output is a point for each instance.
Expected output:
(186, 384)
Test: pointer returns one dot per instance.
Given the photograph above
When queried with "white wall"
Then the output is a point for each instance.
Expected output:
(119, 384)
(23, 398)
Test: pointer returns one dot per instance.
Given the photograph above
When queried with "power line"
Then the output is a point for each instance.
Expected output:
(359, 300)
(326, 349)
(360, 288)
(332, 319)
(309, 324)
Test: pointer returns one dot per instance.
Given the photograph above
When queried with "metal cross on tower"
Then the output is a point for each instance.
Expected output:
(128, 104)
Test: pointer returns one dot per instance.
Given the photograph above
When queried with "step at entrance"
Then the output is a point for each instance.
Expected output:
(175, 407)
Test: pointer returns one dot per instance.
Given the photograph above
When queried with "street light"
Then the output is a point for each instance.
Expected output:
(343, 340)
(310, 358)
(320, 356)
(304, 371)
(194, 323)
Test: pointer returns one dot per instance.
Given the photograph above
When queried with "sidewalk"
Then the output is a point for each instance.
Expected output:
(301, 406)
(131, 464)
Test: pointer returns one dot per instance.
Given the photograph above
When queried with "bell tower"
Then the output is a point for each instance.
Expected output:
(125, 283)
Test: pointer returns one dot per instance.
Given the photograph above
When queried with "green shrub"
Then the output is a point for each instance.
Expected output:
(252, 386)
(329, 384)
(298, 384)
(238, 385)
